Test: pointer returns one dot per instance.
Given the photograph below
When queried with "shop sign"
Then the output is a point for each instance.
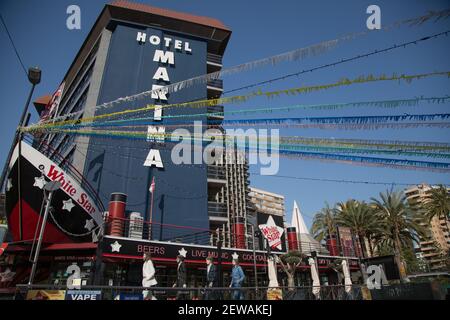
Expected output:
(130, 296)
(83, 295)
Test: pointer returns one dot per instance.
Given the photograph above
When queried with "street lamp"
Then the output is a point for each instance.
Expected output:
(254, 256)
(34, 76)
(51, 187)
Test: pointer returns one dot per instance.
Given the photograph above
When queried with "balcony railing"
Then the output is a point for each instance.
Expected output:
(214, 58)
(216, 84)
(216, 209)
(136, 228)
(215, 111)
(216, 172)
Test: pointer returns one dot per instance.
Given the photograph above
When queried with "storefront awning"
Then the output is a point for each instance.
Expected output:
(26, 247)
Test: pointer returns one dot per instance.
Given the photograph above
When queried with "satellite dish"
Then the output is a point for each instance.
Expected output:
(52, 185)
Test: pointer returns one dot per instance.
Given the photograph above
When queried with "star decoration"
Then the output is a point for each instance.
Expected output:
(39, 182)
(182, 252)
(68, 205)
(89, 224)
(8, 185)
(235, 256)
(272, 232)
(115, 247)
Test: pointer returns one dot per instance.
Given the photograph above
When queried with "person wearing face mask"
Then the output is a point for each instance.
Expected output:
(148, 277)
(237, 278)
(181, 277)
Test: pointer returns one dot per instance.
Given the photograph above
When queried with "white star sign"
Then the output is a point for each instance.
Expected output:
(272, 233)
(89, 224)
(182, 252)
(9, 185)
(235, 256)
(39, 182)
(68, 205)
(115, 247)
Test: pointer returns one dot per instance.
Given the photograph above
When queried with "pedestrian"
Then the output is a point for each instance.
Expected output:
(211, 278)
(148, 277)
(237, 278)
(181, 277)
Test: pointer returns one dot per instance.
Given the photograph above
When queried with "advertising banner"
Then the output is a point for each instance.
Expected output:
(346, 238)
(46, 295)
(272, 228)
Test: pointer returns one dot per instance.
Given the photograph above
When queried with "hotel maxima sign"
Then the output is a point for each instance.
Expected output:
(166, 58)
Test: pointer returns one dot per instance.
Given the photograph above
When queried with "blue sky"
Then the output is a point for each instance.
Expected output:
(260, 29)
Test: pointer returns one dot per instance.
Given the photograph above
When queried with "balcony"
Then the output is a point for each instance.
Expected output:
(215, 112)
(217, 211)
(216, 175)
(215, 87)
(214, 59)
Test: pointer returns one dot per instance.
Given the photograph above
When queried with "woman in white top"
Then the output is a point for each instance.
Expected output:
(148, 276)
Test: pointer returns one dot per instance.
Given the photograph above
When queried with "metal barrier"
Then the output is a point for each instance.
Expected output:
(333, 292)
(415, 291)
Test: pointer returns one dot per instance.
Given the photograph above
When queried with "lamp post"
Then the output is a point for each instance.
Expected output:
(34, 76)
(254, 257)
(50, 187)
(219, 266)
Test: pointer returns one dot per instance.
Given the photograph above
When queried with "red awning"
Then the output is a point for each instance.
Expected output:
(21, 246)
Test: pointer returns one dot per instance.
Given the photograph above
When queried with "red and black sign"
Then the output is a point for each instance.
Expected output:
(262, 219)
(115, 247)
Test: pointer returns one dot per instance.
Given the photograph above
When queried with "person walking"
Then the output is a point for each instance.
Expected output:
(181, 277)
(148, 277)
(211, 279)
(237, 278)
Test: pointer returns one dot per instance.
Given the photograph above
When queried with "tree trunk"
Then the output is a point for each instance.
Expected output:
(369, 240)
(362, 244)
(291, 282)
(398, 255)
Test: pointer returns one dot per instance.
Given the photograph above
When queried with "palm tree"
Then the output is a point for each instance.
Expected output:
(324, 223)
(400, 223)
(360, 218)
(438, 203)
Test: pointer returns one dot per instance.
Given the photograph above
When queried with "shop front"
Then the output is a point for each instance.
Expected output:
(117, 262)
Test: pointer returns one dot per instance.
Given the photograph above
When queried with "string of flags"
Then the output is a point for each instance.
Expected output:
(294, 55)
(413, 102)
(244, 98)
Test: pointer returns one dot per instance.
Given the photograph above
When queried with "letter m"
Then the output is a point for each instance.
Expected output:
(156, 134)
(164, 57)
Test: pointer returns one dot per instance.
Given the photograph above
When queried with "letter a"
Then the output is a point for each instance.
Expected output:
(374, 21)
(153, 159)
(74, 20)
(161, 74)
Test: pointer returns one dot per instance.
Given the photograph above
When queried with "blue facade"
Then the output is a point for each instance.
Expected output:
(181, 191)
